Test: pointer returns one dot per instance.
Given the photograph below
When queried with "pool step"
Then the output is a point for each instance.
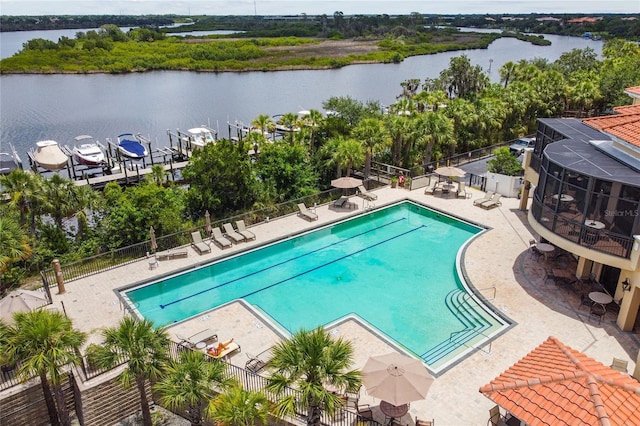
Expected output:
(473, 324)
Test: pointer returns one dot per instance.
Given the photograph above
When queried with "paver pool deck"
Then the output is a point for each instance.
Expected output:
(497, 263)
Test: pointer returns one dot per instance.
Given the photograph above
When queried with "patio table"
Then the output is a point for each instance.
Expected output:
(600, 297)
(393, 411)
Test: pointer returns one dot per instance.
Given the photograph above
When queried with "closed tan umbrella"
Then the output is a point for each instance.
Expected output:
(207, 222)
(396, 378)
(21, 301)
(154, 243)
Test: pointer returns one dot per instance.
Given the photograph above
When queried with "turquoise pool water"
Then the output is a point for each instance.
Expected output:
(395, 268)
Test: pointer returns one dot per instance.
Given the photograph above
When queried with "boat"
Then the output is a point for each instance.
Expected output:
(130, 146)
(87, 151)
(49, 155)
(201, 136)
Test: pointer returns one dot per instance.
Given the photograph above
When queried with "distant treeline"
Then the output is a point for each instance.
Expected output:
(339, 25)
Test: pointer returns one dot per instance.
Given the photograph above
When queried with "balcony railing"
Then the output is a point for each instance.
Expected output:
(602, 240)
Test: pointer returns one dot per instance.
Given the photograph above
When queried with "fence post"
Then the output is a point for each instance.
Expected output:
(59, 279)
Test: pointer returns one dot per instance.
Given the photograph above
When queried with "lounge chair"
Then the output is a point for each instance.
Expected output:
(425, 422)
(362, 192)
(242, 230)
(493, 202)
(430, 190)
(484, 199)
(340, 202)
(255, 363)
(495, 418)
(219, 239)
(222, 350)
(199, 245)
(232, 234)
(206, 335)
(306, 213)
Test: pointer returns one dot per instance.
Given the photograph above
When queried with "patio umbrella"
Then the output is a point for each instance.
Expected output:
(207, 222)
(346, 182)
(154, 243)
(396, 378)
(450, 171)
(21, 301)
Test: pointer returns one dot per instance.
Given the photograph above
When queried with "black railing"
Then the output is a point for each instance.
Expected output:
(602, 240)
(133, 253)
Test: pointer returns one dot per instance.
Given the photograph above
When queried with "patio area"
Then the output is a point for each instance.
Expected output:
(498, 263)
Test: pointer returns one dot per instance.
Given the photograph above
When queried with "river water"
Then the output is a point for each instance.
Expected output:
(60, 107)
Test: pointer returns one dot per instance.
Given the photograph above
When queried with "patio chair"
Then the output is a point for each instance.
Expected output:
(219, 239)
(232, 234)
(199, 245)
(493, 202)
(425, 422)
(495, 418)
(462, 191)
(598, 311)
(487, 197)
(585, 301)
(222, 350)
(362, 192)
(206, 335)
(430, 190)
(365, 414)
(242, 230)
(620, 365)
(306, 213)
(340, 202)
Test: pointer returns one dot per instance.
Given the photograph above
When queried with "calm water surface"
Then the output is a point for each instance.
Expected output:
(60, 107)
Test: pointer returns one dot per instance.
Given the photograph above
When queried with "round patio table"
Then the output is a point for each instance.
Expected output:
(600, 297)
(393, 411)
(545, 249)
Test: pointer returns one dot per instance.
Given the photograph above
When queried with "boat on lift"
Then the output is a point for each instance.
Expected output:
(49, 155)
(130, 146)
(87, 151)
(201, 136)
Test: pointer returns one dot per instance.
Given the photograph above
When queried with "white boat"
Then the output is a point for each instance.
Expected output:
(130, 146)
(87, 151)
(49, 155)
(201, 136)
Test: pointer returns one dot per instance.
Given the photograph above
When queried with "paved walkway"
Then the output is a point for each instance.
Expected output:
(499, 258)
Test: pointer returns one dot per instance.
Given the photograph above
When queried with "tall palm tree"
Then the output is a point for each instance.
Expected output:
(145, 348)
(374, 136)
(434, 131)
(42, 343)
(188, 384)
(308, 361)
(239, 407)
(60, 198)
(264, 123)
(289, 121)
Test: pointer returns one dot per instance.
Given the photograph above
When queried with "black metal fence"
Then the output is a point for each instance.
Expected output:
(133, 253)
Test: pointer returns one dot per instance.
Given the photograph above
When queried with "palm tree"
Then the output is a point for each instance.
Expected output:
(25, 193)
(14, 245)
(289, 121)
(188, 384)
(264, 123)
(308, 361)
(348, 153)
(145, 348)
(434, 131)
(239, 407)
(374, 137)
(42, 343)
(61, 199)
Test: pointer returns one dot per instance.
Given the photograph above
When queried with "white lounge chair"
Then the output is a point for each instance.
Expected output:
(199, 245)
(484, 199)
(219, 239)
(242, 230)
(232, 234)
(206, 335)
(493, 202)
(462, 190)
(362, 191)
(306, 213)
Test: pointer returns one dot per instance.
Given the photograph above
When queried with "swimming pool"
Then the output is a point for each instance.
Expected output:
(393, 268)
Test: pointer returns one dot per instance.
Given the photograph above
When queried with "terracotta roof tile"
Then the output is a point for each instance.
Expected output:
(555, 385)
(635, 90)
(624, 125)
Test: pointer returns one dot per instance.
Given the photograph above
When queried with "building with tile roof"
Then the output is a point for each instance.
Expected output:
(634, 92)
(586, 200)
(557, 385)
